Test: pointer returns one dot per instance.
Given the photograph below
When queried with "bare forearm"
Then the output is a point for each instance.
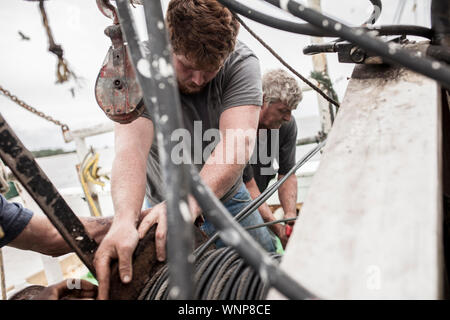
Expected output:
(41, 236)
(224, 167)
(287, 194)
(226, 163)
(220, 178)
(128, 179)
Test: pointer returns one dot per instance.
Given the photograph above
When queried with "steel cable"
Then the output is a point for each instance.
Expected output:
(256, 203)
(221, 275)
(269, 223)
(234, 235)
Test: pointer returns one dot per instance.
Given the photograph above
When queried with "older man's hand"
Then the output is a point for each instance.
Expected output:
(70, 289)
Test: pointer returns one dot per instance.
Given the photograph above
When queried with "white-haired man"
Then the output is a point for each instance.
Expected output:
(276, 141)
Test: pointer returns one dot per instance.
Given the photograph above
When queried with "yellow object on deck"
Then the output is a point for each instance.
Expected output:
(89, 173)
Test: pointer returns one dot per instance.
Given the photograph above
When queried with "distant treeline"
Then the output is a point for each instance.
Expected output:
(49, 152)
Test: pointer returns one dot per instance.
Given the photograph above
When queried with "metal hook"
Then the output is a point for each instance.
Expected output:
(108, 10)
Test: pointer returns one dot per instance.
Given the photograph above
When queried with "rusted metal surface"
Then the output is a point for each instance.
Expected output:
(145, 265)
(117, 91)
(25, 168)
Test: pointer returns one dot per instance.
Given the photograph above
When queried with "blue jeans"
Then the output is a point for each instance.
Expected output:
(235, 205)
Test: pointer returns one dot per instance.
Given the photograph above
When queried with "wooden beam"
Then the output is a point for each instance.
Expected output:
(371, 225)
(89, 131)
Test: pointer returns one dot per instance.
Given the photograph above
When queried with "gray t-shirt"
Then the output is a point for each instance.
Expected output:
(13, 219)
(238, 83)
(280, 147)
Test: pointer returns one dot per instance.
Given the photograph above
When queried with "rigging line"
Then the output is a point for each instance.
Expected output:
(309, 83)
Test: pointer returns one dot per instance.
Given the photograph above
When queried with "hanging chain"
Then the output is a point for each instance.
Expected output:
(63, 72)
(63, 126)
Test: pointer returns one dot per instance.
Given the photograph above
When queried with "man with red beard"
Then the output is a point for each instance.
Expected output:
(220, 89)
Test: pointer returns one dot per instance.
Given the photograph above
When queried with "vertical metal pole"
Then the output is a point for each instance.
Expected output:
(180, 228)
(157, 79)
(320, 65)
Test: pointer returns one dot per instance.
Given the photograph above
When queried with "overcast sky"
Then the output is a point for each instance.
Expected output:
(27, 69)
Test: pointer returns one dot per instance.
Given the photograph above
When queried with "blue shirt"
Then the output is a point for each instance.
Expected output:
(13, 219)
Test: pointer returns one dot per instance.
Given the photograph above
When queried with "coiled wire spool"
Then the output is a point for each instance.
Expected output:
(219, 291)
(157, 286)
(226, 293)
(200, 272)
(252, 287)
(220, 274)
(216, 275)
(150, 284)
(243, 284)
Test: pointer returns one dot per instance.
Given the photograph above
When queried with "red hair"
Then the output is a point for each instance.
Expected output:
(204, 31)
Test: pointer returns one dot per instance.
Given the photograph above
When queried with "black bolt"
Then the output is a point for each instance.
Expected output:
(118, 84)
(357, 54)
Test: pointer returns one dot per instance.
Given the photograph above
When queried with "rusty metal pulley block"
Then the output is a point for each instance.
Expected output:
(116, 89)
